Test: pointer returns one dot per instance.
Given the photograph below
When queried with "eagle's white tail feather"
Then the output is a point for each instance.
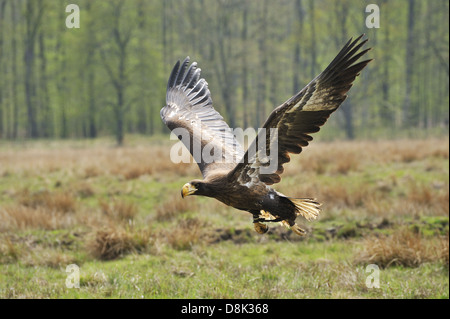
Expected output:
(307, 207)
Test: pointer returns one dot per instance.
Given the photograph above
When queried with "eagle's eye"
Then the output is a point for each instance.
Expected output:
(197, 185)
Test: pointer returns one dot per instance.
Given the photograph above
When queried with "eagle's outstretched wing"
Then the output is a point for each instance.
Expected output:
(190, 115)
(300, 116)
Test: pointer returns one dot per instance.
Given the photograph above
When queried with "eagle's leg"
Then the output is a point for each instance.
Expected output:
(294, 227)
(261, 219)
(265, 216)
(276, 220)
(260, 228)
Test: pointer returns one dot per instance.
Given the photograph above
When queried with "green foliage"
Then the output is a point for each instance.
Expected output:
(108, 77)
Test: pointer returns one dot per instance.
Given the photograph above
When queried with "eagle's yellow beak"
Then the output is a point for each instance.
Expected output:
(187, 190)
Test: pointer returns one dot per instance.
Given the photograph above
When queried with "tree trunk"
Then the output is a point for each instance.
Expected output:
(119, 118)
(92, 100)
(385, 113)
(410, 46)
(225, 72)
(2, 15)
(121, 39)
(313, 40)
(342, 11)
(89, 73)
(262, 78)
(33, 16)
(297, 53)
(15, 125)
(120, 88)
(245, 104)
(47, 122)
(60, 61)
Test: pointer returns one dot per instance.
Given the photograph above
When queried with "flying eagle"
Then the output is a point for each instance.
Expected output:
(242, 179)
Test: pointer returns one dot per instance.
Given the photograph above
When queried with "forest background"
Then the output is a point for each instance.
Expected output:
(108, 77)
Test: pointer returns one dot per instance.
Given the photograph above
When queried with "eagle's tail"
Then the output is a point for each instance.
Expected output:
(306, 207)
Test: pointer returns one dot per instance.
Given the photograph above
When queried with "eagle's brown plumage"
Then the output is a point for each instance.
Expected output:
(242, 180)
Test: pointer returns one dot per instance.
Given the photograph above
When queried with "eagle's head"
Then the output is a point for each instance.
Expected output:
(195, 187)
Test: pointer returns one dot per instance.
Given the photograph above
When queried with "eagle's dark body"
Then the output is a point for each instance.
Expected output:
(244, 181)
(261, 196)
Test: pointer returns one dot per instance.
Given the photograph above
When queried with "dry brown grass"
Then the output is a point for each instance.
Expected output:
(92, 171)
(415, 199)
(421, 194)
(409, 152)
(331, 158)
(336, 195)
(318, 166)
(134, 161)
(91, 162)
(9, 252)
(137, 171)
(185, 234)
(385, 196)
(14, 249)
(62, 202)
(406, 248)
(113, 242)
(109, 244)
(173, 207)
(429, 199)
(347, 162)
(20, 217)
(322, 157)
(47, 257)
(406, 151)
(84, 189)
(119, 210)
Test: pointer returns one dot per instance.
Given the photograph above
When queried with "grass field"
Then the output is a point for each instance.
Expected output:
(118, 215)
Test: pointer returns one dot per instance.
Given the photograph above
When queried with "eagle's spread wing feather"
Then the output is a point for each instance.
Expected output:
(301, 115)
(189, 106)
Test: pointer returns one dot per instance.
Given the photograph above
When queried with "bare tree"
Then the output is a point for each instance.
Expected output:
(46, 125)
(244, 38)
(91, 46)
(15, 77)
(342, 11)
(262, 78)
(33, 18)
(121, 36)
(410, 46)
(224, 68)
(2, 17)
(300, 15)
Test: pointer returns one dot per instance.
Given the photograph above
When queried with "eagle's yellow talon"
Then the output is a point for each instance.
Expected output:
(261, 228)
